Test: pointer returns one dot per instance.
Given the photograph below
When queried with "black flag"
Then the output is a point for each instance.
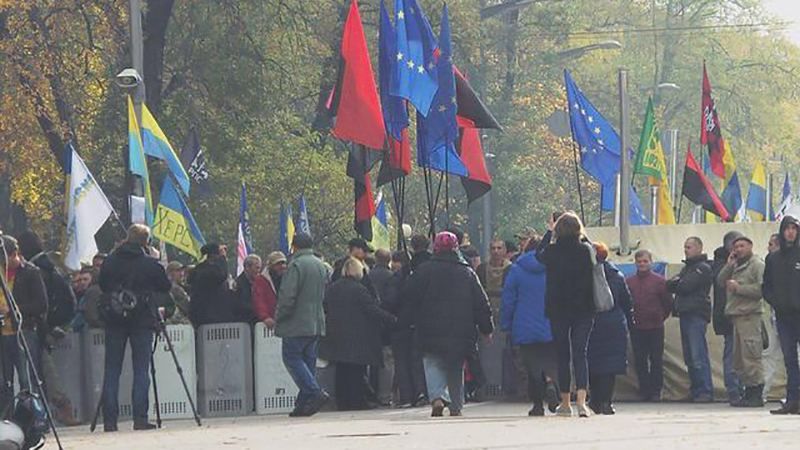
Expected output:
(194, 161)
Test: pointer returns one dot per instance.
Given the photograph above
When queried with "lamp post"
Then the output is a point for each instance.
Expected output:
(486, 235)
(130, 79)
(575, 53)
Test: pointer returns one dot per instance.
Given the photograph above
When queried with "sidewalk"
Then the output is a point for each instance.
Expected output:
(487, 425)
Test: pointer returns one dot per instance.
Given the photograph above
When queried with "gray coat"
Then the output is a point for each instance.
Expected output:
(299, 312)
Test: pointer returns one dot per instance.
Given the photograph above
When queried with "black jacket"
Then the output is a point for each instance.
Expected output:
(691, 288)
(209, 293)
(31, 297)
(242, 301)
(448, 303)
(353, 323)
(722, 325)
(379, 277)
(130, 267)
(397, 300)
(61, 300)
(570, 280)
(781, 286)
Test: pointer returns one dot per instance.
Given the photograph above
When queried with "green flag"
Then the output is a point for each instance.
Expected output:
(650, 156)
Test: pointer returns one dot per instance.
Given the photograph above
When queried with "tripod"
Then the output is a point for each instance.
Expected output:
(16, 319)
(161, 330)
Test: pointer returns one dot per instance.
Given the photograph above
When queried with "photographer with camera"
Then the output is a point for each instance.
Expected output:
(133, 283)
(27, 288)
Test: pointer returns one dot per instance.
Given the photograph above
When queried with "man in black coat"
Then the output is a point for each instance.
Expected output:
(722, 324)
(781, 290)
(693, 306)
(208, 288)
(449, 303)
(131, 268)
(24, 281)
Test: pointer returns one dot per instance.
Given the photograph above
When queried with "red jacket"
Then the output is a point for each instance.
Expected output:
(652, 304)
(264, 298)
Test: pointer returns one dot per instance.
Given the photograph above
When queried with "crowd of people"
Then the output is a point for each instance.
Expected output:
(567, 311)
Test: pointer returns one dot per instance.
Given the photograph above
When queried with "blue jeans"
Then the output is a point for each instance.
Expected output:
(695, 355)
(572, 339)
(445, 380)
(300, 358)
(789, 334)
(141, 348)
(732, 385)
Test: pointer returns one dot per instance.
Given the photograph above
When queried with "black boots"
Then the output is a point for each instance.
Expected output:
(787, 408)
(752, 398)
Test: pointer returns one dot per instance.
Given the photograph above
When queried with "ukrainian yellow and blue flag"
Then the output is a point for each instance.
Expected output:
(174, 223)
(157, 146)
(138, 166)
(757, 195)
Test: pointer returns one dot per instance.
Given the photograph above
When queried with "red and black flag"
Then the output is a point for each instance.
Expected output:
(710, 132)
(396, 160)
(699, 190)
(354, 101)
(469, 147)
(359, 163)
(470, 106)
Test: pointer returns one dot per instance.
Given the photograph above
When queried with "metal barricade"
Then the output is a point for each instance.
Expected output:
(274, 388)
(94, 352)
(224, 369)
(171, 396)
(491, 358)
(67, 359)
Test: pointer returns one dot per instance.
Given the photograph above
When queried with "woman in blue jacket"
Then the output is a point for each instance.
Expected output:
(608, 343)
(522, 314)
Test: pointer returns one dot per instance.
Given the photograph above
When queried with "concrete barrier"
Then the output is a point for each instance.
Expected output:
(225, 369)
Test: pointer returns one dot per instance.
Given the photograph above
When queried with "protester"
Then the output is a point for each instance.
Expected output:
(359, 249)
(652, 305)
(774, 243)
(772, 356)
(98, 260)
(352, 334)
(448, 303)
(27, 288)
(693, 307)
(87, 311)
(608, 342)
(524, 318)
(523, 239)
(472, 256)
(249, 283)
(741, 277)
(264, 305)
(176, 272)
(720, 320)
(781, 289)
(512, 251)
(130, 277)
(380, 274)
(208, 288)
(569, 304)
(300, 321)
(61, 306)
(492, 274)
(409, 374)
(399, 260)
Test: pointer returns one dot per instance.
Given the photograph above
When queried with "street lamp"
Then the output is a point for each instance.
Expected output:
(508, 6)
(578, 52)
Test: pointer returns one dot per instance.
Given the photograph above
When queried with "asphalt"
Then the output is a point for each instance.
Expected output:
(483, 426)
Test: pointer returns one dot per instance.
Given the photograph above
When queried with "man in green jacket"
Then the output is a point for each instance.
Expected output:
(300, 322)
(741, 277)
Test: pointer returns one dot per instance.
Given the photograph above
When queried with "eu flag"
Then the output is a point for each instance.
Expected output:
(438, 132)
(415, 77)
(395, 113)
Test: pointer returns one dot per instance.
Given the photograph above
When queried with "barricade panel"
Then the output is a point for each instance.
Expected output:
(224, 369)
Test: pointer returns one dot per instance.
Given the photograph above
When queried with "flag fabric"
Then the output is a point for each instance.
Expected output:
(650, 161)
(174, 223)
(470, 106)
(600, 149)
(787, 207)
(87, 211)
(194, 162)
(438, 131)
(355, 102)
(787, 188)
(244, 241)
(711, 133)
(157, 146)
(397, 159)
(415, 75)
(757, 195)
(303, 224)
(286, 229)
(699, 190)
(360, 162)
(478, 181)
(732, 194)
(141, 201)
(380, 224)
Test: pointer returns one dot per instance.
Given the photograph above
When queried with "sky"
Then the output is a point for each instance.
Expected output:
(788, 11)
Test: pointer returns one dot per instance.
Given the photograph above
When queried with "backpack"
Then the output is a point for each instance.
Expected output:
(122, 304)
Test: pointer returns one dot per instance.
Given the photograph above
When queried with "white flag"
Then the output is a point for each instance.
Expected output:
(88, 209)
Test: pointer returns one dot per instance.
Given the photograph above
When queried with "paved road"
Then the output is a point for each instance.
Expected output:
(484, 426)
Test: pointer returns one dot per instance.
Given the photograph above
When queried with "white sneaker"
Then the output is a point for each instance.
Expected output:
(564, 411)
(584, 411)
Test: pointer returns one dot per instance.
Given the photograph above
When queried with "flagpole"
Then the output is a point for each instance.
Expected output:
(578, 178)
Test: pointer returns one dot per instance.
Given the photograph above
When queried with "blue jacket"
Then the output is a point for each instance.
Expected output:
(522, 310)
